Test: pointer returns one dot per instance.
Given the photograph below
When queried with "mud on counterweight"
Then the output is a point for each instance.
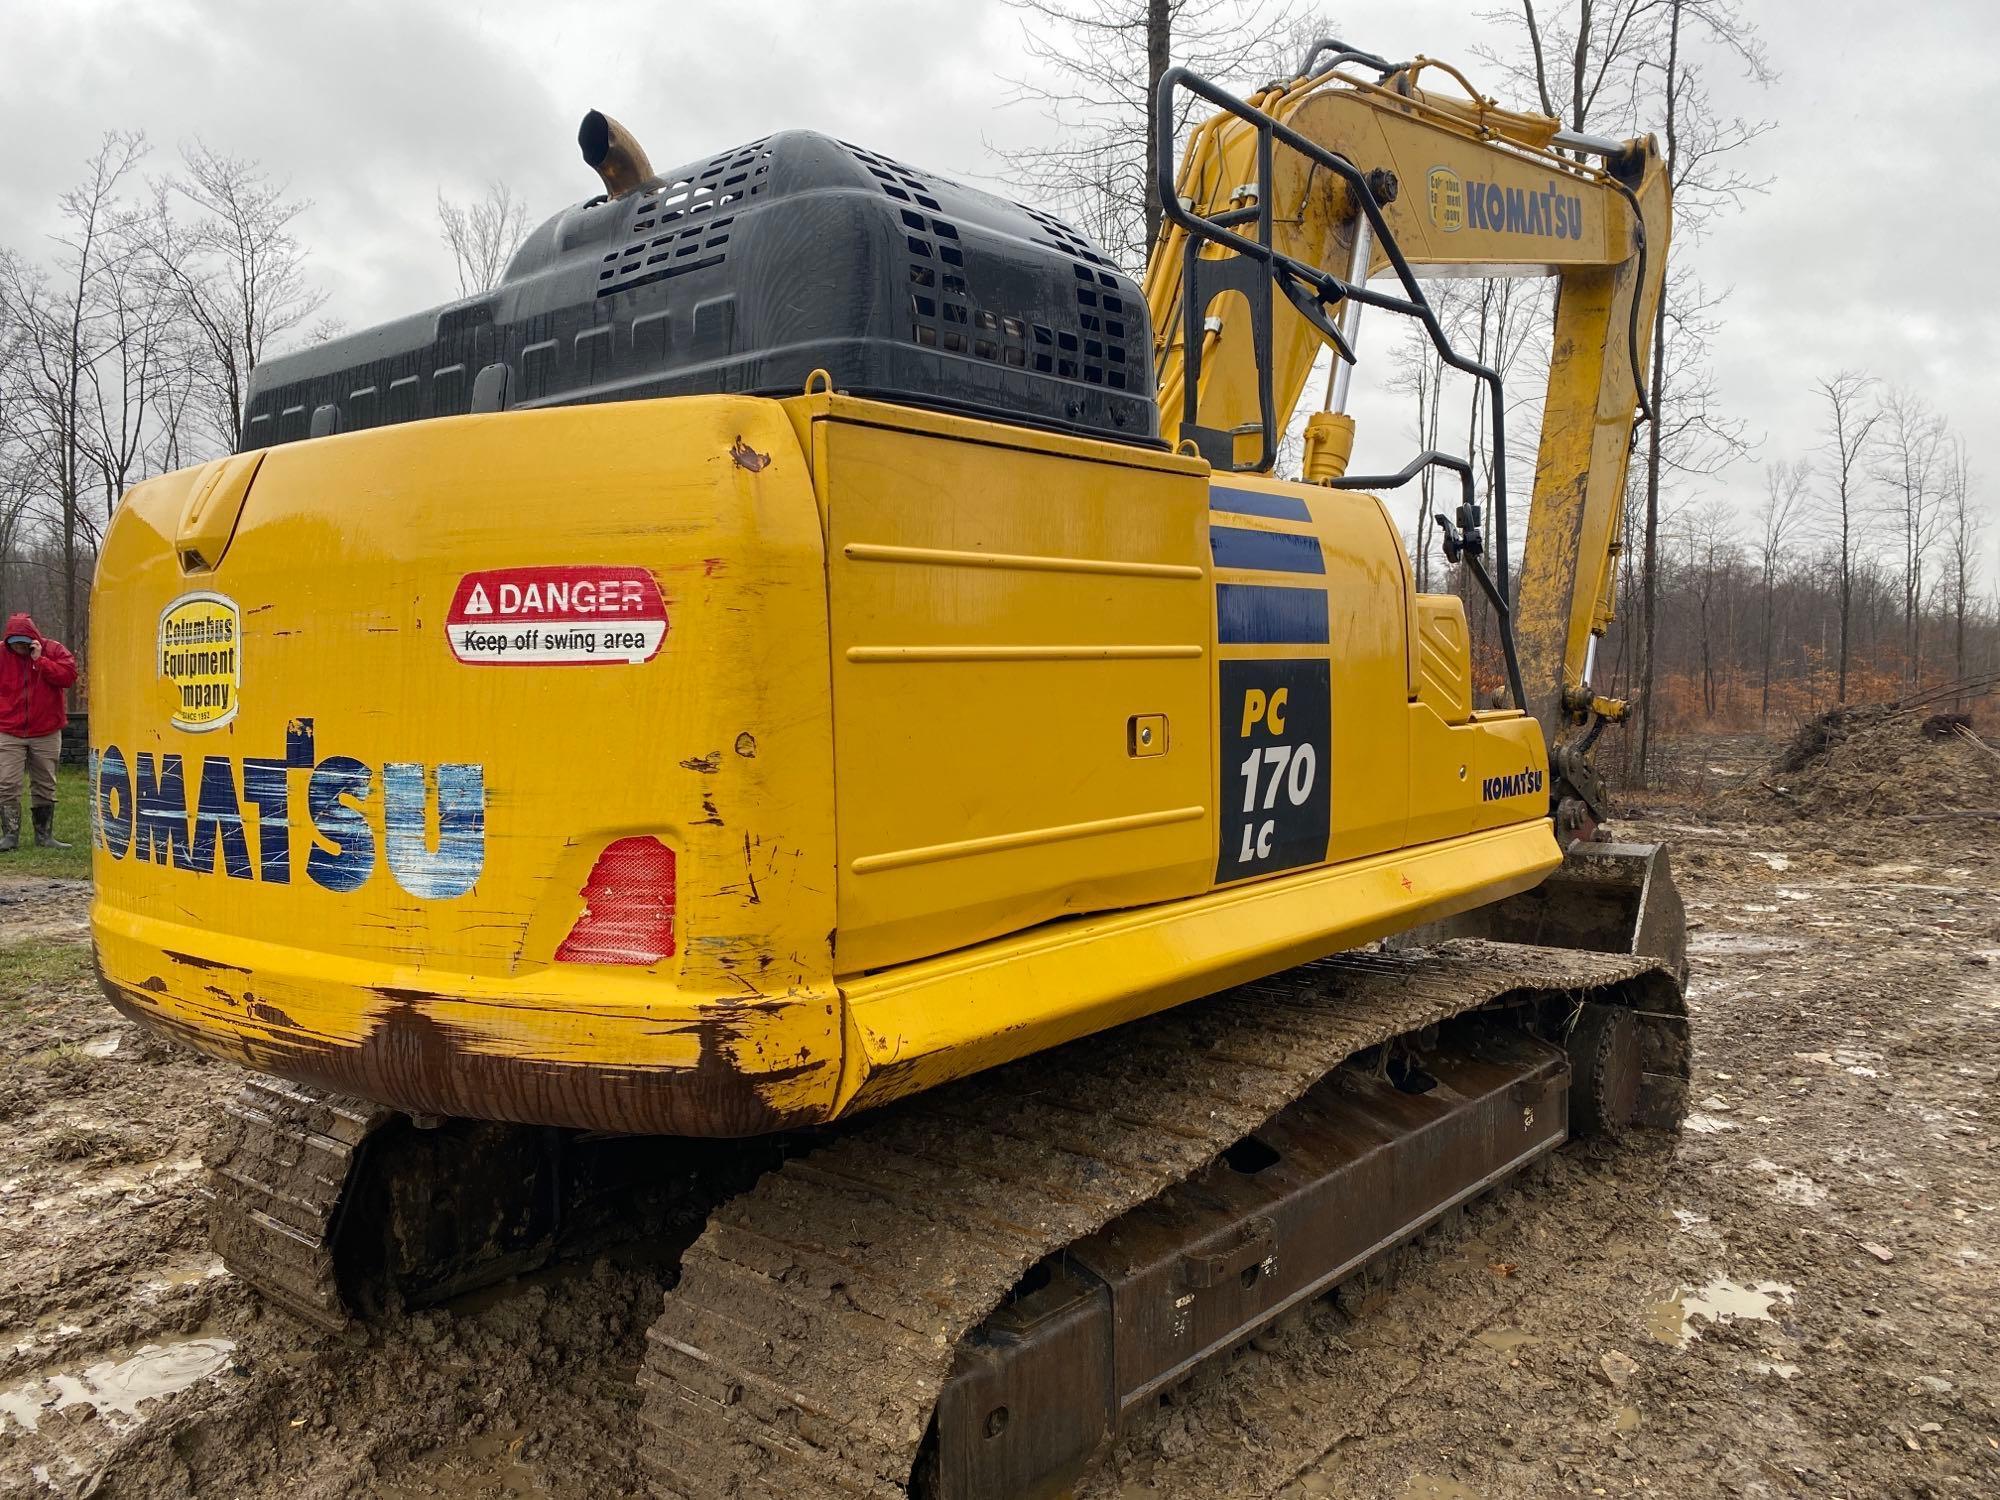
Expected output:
(817, 1318)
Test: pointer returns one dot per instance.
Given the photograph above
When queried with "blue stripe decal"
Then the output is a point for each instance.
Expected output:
(1255, 503)
(1249, 614)
(1266, 551)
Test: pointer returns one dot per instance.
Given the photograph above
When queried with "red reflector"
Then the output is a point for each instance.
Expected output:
(628, 907)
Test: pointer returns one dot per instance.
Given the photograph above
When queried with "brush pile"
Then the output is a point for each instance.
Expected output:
(1918, 758)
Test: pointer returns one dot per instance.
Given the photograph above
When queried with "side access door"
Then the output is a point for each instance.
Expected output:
(1022, 677)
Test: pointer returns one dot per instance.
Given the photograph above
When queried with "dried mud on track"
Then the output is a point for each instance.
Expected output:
(1802, 1297)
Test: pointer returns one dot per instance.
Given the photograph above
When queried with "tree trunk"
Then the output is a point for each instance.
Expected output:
(1650, 572)
(1764, 708)
(1958, 639)
(1159, 57)
(1707, 662)
(1579, 65)
(1649, 567)
(1846, 594)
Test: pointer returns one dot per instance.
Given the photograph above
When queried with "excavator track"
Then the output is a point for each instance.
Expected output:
(335, 1208)
(818, 1317)
(279, 1164)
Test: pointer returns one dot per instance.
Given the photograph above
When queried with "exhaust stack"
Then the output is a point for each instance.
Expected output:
(610, 150)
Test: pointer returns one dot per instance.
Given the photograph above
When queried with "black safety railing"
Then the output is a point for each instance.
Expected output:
(1256, 269)
(1462, 543)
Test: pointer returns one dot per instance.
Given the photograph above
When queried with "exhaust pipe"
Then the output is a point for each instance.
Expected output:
(610, 151)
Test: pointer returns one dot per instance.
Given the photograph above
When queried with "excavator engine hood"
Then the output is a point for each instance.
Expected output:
(745, 272)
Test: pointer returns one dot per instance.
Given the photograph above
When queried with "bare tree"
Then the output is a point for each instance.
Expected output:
(1910, 464)
(68, 325)
(1102, 62)
(482, 236)
(238, 271)
(1785, 483)
(1581, 59)
(1965, 527)
(1709, 535)
(1624, 66)
(1846, 445)
(132, 388)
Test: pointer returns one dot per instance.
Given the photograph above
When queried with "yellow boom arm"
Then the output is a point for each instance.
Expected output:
(1455, 187)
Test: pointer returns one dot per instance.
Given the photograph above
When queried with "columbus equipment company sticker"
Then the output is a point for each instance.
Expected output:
(201, 658)
(565, 615)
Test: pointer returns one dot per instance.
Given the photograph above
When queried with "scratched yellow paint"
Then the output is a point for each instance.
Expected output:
(893, 868)
(343, 564)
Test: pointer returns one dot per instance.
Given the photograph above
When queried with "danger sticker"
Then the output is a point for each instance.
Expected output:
(557, 616)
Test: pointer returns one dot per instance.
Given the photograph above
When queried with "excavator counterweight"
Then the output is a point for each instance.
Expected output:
(803, 728)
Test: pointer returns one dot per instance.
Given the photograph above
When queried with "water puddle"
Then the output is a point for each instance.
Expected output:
(19, 1406)
(117, 1388)
(186, 1273)
(1470, 1254)
(1625, 1419)
(1720, 1301)
(478, 1468)
(1689, 1222)
(1426, 1487)
(102, 1046)
(1506, 1340)
(1788, 1186)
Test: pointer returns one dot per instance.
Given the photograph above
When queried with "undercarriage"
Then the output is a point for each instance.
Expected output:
(966, 1295)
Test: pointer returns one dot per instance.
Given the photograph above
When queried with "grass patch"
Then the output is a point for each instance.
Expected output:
(72, 827)
(69, 1069)
(17, 1100)
(82, 1142)
(41, 963)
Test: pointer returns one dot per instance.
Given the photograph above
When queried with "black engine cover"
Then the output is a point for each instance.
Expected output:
(745, 273)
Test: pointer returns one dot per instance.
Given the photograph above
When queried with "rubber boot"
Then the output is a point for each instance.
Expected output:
(10, 828)
(45, 829)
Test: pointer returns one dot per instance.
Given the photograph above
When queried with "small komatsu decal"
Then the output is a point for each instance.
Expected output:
(565, 615)
(1276, 742)
(244, 818)
(201, 658)
(1524, 782)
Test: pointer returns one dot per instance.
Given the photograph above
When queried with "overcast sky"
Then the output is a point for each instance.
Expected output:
(1860, 255)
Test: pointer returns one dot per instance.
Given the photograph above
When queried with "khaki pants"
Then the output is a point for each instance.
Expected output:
(38, 757)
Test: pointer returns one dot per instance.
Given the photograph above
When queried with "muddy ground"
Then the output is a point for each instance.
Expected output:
(1801, 1297)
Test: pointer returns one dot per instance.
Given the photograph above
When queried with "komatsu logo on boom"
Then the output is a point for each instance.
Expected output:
(140, 809)
(1456, 204)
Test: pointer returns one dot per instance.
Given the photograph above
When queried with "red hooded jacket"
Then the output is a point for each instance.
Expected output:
(31, 692)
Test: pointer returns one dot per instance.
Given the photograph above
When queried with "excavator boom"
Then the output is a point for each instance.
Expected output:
(1374, 177)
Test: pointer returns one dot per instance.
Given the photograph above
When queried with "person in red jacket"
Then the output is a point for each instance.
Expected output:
(34, 672)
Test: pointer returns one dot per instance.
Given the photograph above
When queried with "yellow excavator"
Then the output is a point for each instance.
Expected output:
(802, 727)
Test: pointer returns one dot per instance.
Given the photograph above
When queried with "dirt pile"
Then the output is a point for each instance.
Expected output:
(1879, 760)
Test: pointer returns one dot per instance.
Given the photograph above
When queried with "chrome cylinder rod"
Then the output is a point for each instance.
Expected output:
(1341, 376)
